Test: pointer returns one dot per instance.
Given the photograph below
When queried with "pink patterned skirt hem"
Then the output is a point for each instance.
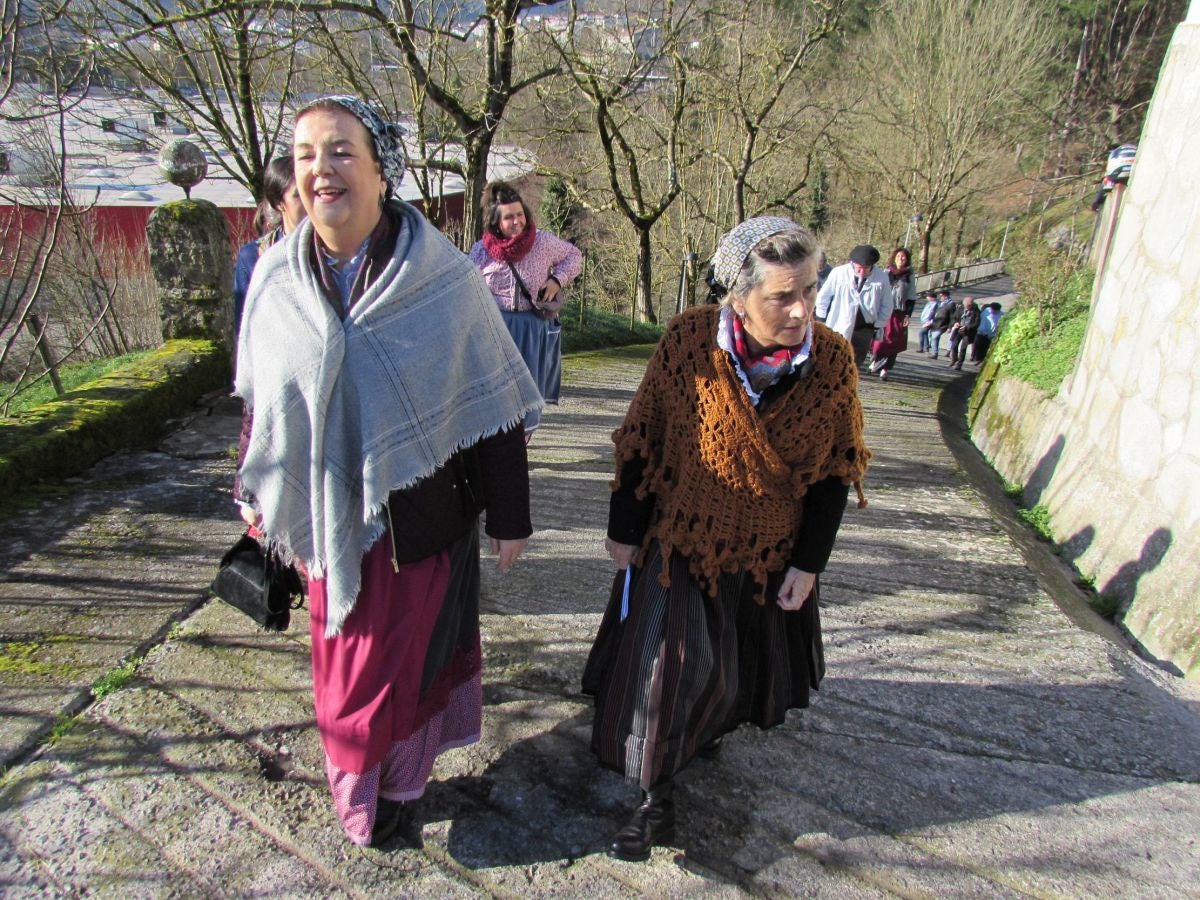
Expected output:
(404, 772)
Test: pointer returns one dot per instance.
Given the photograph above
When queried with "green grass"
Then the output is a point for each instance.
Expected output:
(116, 679)
(1040, 340)
(1107, 605)
(62, 727)
(72, 376)
(1038, 518)
(602, 329)
(21, 657)
(1045, 360)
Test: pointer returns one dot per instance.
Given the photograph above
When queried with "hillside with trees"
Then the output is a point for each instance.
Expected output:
(661, 123)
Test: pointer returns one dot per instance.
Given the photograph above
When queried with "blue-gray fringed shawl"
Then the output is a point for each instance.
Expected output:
(347, 411)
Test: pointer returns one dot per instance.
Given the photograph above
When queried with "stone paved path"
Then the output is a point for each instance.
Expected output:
(972, 737)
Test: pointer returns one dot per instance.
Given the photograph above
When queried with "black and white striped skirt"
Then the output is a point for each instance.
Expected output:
(685, 668)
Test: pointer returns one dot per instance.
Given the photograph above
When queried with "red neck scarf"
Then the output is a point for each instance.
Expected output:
(510, 250)
(762, 369)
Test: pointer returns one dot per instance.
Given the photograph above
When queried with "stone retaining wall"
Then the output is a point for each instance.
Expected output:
(1115, 456)
(129, 407)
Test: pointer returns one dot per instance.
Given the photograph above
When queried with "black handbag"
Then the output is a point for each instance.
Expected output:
(258, 584)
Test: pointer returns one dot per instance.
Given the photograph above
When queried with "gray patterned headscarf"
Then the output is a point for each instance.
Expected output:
(736, 245)
(385, 135)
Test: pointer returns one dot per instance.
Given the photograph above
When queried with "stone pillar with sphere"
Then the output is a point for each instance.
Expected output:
(189, 245)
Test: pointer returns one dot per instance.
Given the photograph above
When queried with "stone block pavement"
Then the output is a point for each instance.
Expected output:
(979, 731)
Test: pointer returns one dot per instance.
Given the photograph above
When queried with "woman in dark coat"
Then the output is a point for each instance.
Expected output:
(283, 200)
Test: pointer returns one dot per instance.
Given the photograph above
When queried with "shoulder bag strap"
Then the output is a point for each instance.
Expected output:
(521, 284)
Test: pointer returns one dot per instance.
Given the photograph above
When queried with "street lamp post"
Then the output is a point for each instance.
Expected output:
(913, 220)
(1004, 240)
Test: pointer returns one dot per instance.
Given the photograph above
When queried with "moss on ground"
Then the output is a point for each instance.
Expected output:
(601, 329)
(22, 658)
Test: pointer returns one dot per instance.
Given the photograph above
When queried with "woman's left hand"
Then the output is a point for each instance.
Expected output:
(796, 588)
(549, 300)
(508, 551)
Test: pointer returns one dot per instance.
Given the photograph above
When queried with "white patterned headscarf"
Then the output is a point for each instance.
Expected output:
(736, 245)
(385, 135)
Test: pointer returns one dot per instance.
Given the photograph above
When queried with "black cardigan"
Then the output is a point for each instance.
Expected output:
(491, 476)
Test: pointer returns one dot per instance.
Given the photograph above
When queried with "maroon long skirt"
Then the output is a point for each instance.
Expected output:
(401, 683)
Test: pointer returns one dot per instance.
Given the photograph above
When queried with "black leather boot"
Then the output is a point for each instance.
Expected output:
(389, 821)
(712, 749)
(651, 823)
(396, 826)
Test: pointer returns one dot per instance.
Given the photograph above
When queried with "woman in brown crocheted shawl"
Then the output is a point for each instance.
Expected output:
(734, 464)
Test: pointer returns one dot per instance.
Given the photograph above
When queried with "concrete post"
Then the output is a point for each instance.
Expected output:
(189, 255)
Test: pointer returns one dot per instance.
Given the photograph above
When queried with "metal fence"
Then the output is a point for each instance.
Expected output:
(960, 275)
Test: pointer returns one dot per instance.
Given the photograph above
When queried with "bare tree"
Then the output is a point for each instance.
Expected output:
(464, 64)
(1118, 48)
(10, 26)
(348, 55)
(637, 86)
(762, 127)
(38, 207)
(948, 78)
(757, 103)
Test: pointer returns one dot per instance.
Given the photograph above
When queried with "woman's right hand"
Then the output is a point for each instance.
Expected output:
(251, 516)
(622, 554)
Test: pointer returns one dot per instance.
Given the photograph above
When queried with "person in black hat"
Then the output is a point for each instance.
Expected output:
(855, 296)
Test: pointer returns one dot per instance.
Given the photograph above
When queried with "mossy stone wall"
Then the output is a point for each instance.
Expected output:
(129, 407)
(189, 256)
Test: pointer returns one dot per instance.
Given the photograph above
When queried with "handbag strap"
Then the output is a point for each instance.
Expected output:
(521, 283)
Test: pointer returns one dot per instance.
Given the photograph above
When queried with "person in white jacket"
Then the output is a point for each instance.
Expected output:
(855, 297)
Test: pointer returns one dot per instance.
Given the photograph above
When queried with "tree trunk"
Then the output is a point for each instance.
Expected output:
(644, 301)
(926, 234)
(739, 181)
(1071, 115)
(958, 237)
(37, 328)
(474, 181)
(246, 96)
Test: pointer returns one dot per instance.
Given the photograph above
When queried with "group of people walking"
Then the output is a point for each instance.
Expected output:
(871, 307)
(391, 385)
(968, 328)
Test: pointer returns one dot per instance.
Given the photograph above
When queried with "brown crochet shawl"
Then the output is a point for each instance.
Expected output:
(728, 482)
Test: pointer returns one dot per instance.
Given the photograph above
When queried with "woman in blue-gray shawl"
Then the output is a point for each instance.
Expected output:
(386, 403)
